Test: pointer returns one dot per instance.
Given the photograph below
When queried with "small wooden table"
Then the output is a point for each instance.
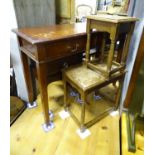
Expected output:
(86, 80)
(116, 26)
(51, 48)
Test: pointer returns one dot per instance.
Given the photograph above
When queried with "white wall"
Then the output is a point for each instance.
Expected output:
(15, 57)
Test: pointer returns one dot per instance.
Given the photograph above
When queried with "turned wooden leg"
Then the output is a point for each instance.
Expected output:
(113, 37)
(42, 79)
(121, 39)
(110, 55)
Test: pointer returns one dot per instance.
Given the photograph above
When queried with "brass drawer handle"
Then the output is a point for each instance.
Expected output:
(75, 49)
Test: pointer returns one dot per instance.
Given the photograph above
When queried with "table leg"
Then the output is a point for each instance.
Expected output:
(28, 80)
(113, 37)
(42, 80)
(110, 55)
(33, 77)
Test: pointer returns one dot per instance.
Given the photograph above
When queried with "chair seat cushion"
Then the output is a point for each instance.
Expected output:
(83, 76)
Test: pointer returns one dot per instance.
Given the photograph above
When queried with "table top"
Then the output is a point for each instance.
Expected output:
(112, 18)
(36, 35)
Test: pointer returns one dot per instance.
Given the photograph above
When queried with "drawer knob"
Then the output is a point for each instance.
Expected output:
(65, 65)
(74, 49)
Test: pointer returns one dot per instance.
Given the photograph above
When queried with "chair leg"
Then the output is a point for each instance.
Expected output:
(66, 105)
(97, 95)
(82, 126)
(118, 96)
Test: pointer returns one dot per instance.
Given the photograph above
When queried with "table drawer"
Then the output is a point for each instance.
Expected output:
(62, 48)
(31, 49)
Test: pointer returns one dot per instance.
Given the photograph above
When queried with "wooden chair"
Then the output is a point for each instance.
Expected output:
(101, 71)
(82, 11)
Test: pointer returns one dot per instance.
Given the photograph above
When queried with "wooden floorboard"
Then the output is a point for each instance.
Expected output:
(139, 138)
(27, 136)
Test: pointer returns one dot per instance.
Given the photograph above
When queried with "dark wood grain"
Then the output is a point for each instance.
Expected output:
(37, 35)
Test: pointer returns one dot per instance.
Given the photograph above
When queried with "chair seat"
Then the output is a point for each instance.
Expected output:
(83, 76)
(103, 66)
